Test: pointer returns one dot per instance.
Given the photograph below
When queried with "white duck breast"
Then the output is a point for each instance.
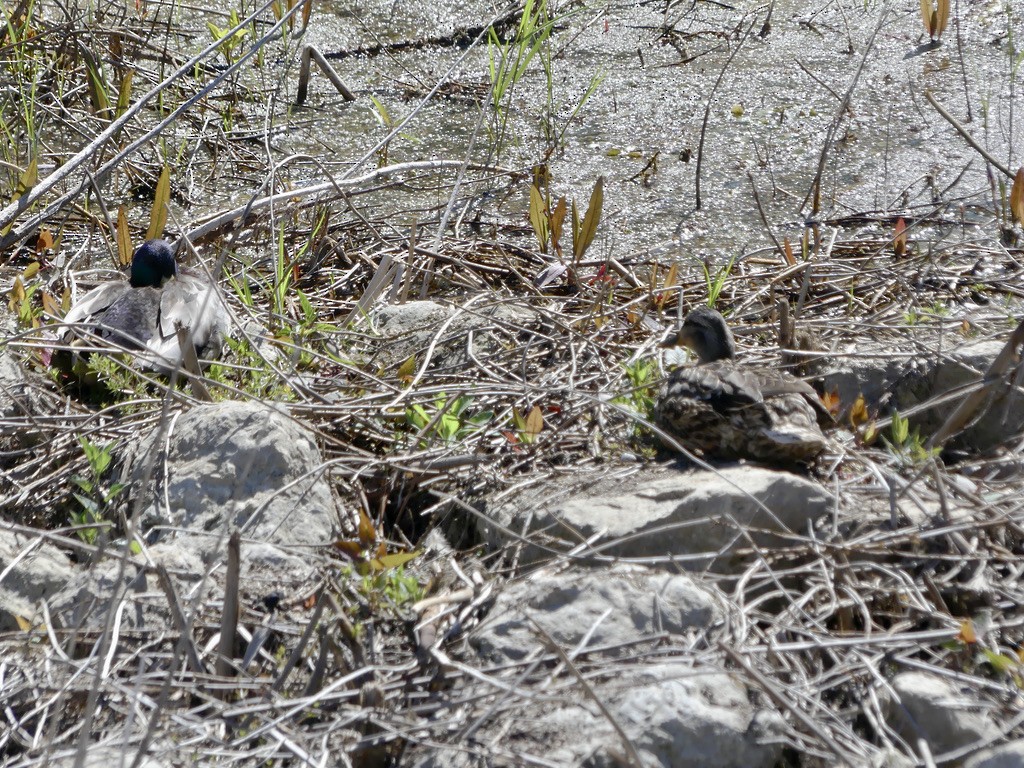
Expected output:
(145, 319)
(189, 302)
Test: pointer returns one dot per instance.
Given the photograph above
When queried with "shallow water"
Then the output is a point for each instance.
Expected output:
(769, 116)
(769, 119)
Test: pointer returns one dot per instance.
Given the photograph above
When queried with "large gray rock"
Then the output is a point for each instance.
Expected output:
(569, 606)
(673, 715)
(133, 590)
(30, 570)
(893, 380)
(218, 467)
(1006, 756)
(662, 512)
(678, 716)
(125, 587)
(414, 319)
(235, 464)
(1002, 418)
(888, 757)
(116, 757)
(947, 715)
(454, 336)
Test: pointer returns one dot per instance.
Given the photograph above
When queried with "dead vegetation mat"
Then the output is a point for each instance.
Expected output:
(918, 568)
(893, 581)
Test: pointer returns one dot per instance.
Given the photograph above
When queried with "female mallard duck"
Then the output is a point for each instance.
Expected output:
(730, 411)
(144, 314)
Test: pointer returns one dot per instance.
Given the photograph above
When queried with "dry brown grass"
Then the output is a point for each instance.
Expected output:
(911, 553)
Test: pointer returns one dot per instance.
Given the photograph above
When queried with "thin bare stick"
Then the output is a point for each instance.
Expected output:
(312, 52)
(229, 619)
(326, 190)
(707, 109)
(967, 136)
(958, 419)
(178, 617)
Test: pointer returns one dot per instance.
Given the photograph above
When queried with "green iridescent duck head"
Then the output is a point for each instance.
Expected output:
(152, 264)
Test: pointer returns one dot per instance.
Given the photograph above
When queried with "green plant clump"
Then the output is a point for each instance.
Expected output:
(905, 444)
(96, 496)
(643, 377)
(450, 419)
(716, 282)
(915, 316)
(508, 61)
(388, 586)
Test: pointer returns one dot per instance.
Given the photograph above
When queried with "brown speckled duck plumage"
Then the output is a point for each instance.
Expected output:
(729, 411)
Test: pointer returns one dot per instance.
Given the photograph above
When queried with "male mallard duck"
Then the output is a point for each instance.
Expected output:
(145, 313)
(731, 411)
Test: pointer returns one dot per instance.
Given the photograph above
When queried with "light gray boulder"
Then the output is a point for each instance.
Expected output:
(570, 605)
(1005, 756)
(949, 716)
(408, 330)
(116, 757)
(703, 514)
(134, 592)
(678, 716)
(124, 585)
(927, 369)
(411, 319)
(30, 570)
(453, 335)
(216, 468)
(673, 716)
(234, 464)
(888, 757)
(1002, 417)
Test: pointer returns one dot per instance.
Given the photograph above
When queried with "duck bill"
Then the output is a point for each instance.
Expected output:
(685, 337)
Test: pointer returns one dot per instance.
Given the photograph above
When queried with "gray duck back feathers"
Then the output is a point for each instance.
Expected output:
(145, 320)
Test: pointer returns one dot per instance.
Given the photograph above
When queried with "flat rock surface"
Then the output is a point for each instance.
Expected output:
(30, 569)
(610, 607)
(1005, 756)
(927, 369)
(138, 596)
(667, 512)
(449, 336)
(674, 716)
(938, 710)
